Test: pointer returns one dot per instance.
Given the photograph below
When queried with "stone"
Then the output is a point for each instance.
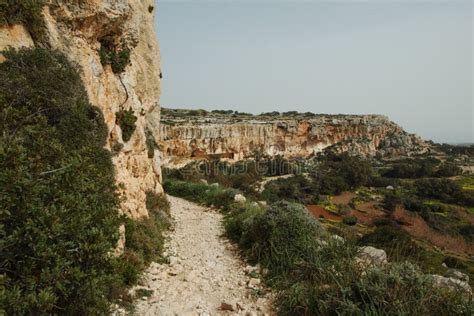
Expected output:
(226, 307)
(173, 260)
(253, 283)
(338, 238)
(239, 198)
(371, 256)
(451, 283)
(453, 273)
(240, 306)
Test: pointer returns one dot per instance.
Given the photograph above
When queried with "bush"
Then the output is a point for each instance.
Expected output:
(144, 237)
(210, 195)
(58, 203)
(349, 220)
(382, 182)
(314, 274)
(341, 172)
(280, 237)
(294, 189)
(448, 170)
(27, 12)
(445, 190)
(126, 119)
(413, 168)
(117, 57)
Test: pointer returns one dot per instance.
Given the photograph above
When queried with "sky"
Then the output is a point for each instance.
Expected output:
(409, 60)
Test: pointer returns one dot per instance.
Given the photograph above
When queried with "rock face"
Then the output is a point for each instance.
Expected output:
(77, 30)
(184, 138)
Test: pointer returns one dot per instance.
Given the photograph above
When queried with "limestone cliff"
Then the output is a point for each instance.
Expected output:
(184, 137)
(77, 30)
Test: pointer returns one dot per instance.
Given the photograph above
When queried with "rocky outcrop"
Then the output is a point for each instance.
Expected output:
(77, 30)
(184, 138)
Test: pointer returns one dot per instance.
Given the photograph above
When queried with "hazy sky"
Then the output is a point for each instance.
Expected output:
(410, 60)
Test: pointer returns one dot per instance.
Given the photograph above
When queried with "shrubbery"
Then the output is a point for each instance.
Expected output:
(341, 172)
(144, 238)
(419, 168)
(445, 190)
(315, 274)
(118, 57)
(201, 193)
(296, 189)
(58, 206)
(27, 12)
(126, 119)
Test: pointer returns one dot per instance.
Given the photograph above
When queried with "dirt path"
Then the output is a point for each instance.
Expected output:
(204, 271)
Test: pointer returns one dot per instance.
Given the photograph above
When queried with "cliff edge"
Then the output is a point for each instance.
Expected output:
(235, 136)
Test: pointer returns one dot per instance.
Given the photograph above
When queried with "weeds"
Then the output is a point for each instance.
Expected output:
(126, 119)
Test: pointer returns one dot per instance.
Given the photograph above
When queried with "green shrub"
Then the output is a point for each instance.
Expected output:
(144, 239)
(210, 195)
(281, 237)
(58, 206)
(117, 57)
(314, 274)
(239, 218)
(294, 189)
(349, 220)
(126, 119)
(445, 190)
(191, 191)
(27, 12)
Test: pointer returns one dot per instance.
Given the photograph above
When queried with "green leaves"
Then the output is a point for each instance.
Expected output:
(59, 217)
(126, 120)
(117, 58)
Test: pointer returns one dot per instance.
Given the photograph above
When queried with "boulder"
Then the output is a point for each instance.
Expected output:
(239, 198)
(451, 283)
(453, 273)
(371, 256)
(253, 283)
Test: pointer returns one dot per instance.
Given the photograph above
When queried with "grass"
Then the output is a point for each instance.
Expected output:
(144, 242)
(466, 182)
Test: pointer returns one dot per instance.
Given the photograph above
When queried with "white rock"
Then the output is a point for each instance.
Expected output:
(338, 238)
(371, 256)
(254, 283)
(173, 260)
(453, 273)
(451, 283)
(240, 198)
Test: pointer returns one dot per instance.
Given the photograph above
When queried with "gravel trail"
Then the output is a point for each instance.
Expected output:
(205, 275)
